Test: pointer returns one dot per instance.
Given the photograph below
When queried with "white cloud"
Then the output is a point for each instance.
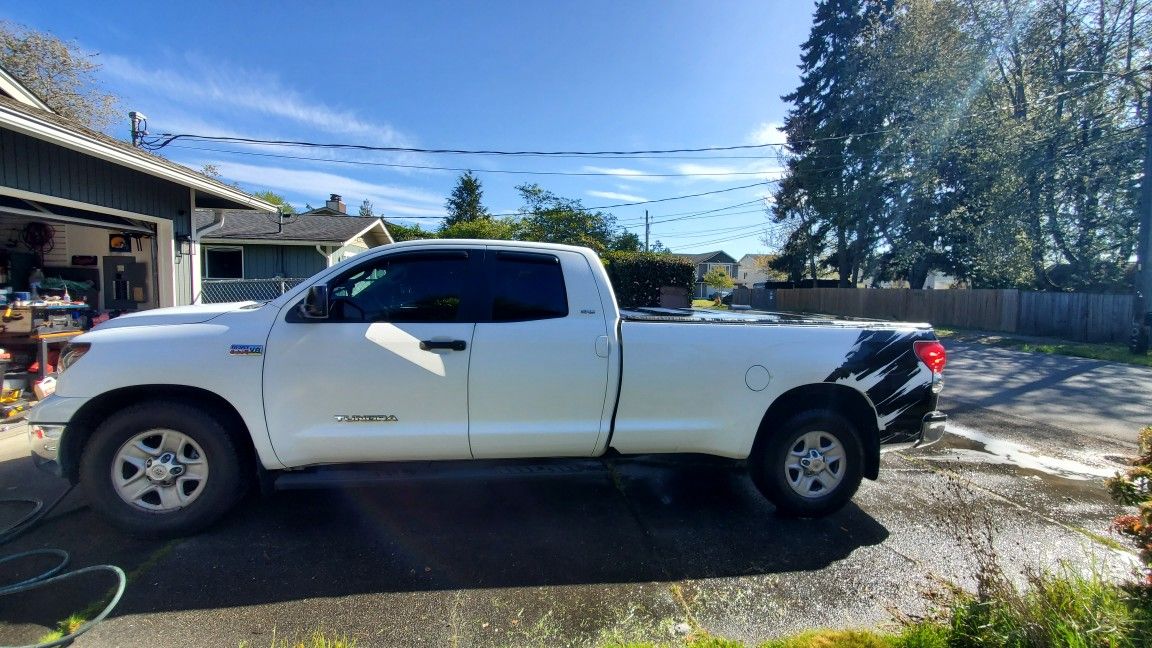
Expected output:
(625, 174)
(752, 171)
(256, 91)
(767, 133)
(391, 200)
(612, 195)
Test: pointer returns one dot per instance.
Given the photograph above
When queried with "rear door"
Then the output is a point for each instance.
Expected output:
(540, 361)
(385, 376)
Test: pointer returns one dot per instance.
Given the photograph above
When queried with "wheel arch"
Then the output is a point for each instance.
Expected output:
(88, 418)
(842, 399)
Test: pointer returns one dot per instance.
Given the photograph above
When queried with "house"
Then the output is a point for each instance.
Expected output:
(706, 262)
(246, 245)
(84, 206)
(753, 269)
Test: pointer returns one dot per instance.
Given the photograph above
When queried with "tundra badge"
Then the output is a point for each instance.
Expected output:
(366, 418)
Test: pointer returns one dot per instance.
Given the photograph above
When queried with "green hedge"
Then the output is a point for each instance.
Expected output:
(637, 277)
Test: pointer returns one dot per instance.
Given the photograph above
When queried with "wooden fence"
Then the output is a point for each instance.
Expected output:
(1072, 316)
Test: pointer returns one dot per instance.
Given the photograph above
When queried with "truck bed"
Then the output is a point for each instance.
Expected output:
(707, 315)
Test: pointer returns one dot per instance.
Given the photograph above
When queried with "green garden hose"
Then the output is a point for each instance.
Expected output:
(53, 575)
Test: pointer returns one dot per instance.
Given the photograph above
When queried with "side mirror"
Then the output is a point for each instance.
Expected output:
(315, 305)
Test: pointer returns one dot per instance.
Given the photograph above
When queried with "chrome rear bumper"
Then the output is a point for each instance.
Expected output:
(931, 430)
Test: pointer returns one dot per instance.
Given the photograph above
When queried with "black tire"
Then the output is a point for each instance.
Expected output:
(774, 466)
(223, 485)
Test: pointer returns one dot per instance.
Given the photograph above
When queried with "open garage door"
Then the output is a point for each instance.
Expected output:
(114, 257)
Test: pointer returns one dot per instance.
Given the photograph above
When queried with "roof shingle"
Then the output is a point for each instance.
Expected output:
(245, 224)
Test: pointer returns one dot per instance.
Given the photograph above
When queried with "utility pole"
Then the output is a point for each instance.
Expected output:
(646, 230)
(1142, 322)
(139, 126)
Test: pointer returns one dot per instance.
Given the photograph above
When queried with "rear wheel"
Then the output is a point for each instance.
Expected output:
(162, 469)
(811, 465)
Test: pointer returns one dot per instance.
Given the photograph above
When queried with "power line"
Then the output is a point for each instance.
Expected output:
(709, 214)
(164, 139)
(659, 200)
(599, 207)
(720, 240)
(715, 231)
(688, 214)
(511, 172)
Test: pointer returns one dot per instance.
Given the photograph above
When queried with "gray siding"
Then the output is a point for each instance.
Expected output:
(267, 261)
(29, 164)
(263, 261)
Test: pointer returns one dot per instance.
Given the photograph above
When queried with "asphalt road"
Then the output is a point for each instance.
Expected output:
(625, 551)
(1094, 398)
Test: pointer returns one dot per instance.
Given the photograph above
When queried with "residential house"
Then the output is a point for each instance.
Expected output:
(247, 245)
(706, 262)
(88, 207)
(754, 270)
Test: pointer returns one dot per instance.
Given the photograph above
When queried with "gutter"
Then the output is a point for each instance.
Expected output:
(216, 223)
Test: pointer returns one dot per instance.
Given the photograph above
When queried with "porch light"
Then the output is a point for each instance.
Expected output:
(183, 245)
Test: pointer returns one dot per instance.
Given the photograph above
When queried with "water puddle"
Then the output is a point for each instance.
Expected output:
(984, 448)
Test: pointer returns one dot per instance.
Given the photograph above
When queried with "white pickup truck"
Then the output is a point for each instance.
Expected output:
(465, 350)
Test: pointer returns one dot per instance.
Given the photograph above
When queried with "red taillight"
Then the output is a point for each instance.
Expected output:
(932, 354)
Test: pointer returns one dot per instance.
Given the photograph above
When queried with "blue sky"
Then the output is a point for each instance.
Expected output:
(594, 75)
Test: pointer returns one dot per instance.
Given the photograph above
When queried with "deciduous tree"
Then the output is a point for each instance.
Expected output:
(60, 73)
(552, 219)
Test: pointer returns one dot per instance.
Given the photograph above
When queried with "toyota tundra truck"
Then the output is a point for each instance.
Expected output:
(458, 351)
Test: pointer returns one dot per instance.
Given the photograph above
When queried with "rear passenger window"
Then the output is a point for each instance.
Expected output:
(527, 286)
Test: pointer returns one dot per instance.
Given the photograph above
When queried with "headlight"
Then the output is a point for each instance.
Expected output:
(71, 353)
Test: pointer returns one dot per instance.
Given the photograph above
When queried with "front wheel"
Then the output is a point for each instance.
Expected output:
(161, 469)
(809, 466)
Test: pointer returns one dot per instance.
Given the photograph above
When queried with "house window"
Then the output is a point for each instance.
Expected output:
(224, 263)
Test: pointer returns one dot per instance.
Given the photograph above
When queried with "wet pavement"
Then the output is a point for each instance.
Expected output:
(625, 550)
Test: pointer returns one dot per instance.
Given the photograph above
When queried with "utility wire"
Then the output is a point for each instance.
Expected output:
(659, 200)
(686, 215)
(164, 139)
(511, 172)
(714, 232)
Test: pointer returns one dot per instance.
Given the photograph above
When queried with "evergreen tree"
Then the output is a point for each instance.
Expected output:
(831, 130)
(366, 209)
(464, 204)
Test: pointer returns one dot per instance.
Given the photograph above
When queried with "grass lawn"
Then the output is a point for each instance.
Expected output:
(1094, 351)
(707, 303)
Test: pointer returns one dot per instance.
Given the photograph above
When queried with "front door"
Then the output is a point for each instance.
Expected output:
(385, 376)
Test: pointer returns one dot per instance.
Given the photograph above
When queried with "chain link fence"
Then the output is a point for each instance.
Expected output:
(215, 291)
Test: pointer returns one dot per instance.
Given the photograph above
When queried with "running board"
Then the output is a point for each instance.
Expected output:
(487, 470)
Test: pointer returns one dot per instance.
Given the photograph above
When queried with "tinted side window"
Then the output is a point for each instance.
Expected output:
(401, 289)
(526, 287)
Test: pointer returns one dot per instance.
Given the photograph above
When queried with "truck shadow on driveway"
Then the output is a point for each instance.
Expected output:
(630, 521)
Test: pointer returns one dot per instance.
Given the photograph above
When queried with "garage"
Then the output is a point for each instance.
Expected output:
(82, 206)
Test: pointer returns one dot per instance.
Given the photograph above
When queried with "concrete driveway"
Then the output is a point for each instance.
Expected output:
(627, 550)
